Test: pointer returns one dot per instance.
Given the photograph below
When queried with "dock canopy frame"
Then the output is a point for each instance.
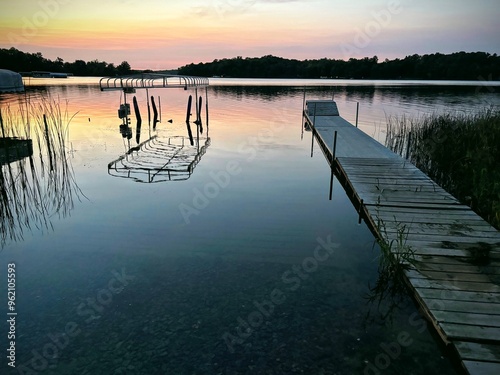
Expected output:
(150, 81)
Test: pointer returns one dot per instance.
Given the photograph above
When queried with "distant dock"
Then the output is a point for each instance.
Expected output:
(456, 274)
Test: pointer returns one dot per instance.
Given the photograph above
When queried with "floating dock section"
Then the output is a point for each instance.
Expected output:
(456, 274)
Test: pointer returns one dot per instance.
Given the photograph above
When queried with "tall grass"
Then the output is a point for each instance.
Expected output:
(460, 151)
(37, 187)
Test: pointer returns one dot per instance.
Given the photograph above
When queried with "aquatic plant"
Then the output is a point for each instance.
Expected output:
(34, 189)
(460, 151)
(395, 257)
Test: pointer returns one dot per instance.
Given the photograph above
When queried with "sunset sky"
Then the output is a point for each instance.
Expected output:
(165, 34)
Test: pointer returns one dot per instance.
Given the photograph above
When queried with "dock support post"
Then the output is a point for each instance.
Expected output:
(312, 141)
(304, 101)
(408, 145)
(314, 116)
(360, 211)
(334, 148)
(357, 113)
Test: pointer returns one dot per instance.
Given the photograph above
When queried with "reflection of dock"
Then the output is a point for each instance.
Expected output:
(14, 149)
(158, 160)
(456, 274)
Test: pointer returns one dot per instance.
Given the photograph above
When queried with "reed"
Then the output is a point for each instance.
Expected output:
(35, 188)
(460, 151)
(396, 256)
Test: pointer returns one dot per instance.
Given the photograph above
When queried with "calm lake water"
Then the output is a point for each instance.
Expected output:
(243, 266)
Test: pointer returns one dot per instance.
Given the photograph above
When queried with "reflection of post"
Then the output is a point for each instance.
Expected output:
(188, 114)
(197, 138)
(155, 112)
(139, 120)
(331, 184)
(196, 104)
(159, 106)
(149, 110)
(206, 106)
(199, 114)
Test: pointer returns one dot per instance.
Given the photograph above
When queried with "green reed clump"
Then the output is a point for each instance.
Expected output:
(396, 256)
(460, 151)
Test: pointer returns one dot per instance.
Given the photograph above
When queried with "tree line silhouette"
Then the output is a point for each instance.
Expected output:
(19, 61)
(455, 66)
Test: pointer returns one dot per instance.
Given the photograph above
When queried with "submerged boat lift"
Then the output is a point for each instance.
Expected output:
(158, 160)
(151, 81)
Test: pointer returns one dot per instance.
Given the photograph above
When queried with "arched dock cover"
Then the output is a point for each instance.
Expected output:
(10, 81)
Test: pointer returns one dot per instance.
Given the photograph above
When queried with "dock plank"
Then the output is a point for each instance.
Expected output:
(481, 368)
(478, 352)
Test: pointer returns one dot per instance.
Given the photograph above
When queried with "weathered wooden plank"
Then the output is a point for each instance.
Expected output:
(438, 219)
(474, 238)
(448, 241)
(465, 332)
(482, 320)
(482, 368)
(463, 212)
(449, 275)
(469, 307)
(424, 261)
(463, 268)
(450, 207)
(375, 190)
(478, 352)
(458, 295)
(452, 253)
(454, 285)
(401, 199)
(444, 232)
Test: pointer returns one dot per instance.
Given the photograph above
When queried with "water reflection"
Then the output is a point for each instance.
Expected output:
(161, 158)
(34, 189)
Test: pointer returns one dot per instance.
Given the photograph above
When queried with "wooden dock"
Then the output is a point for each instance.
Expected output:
(456, 274)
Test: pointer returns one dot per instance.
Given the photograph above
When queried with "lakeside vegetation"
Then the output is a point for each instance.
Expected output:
(461, 152)
(18, 61)
(455, 66)
(479, 66)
